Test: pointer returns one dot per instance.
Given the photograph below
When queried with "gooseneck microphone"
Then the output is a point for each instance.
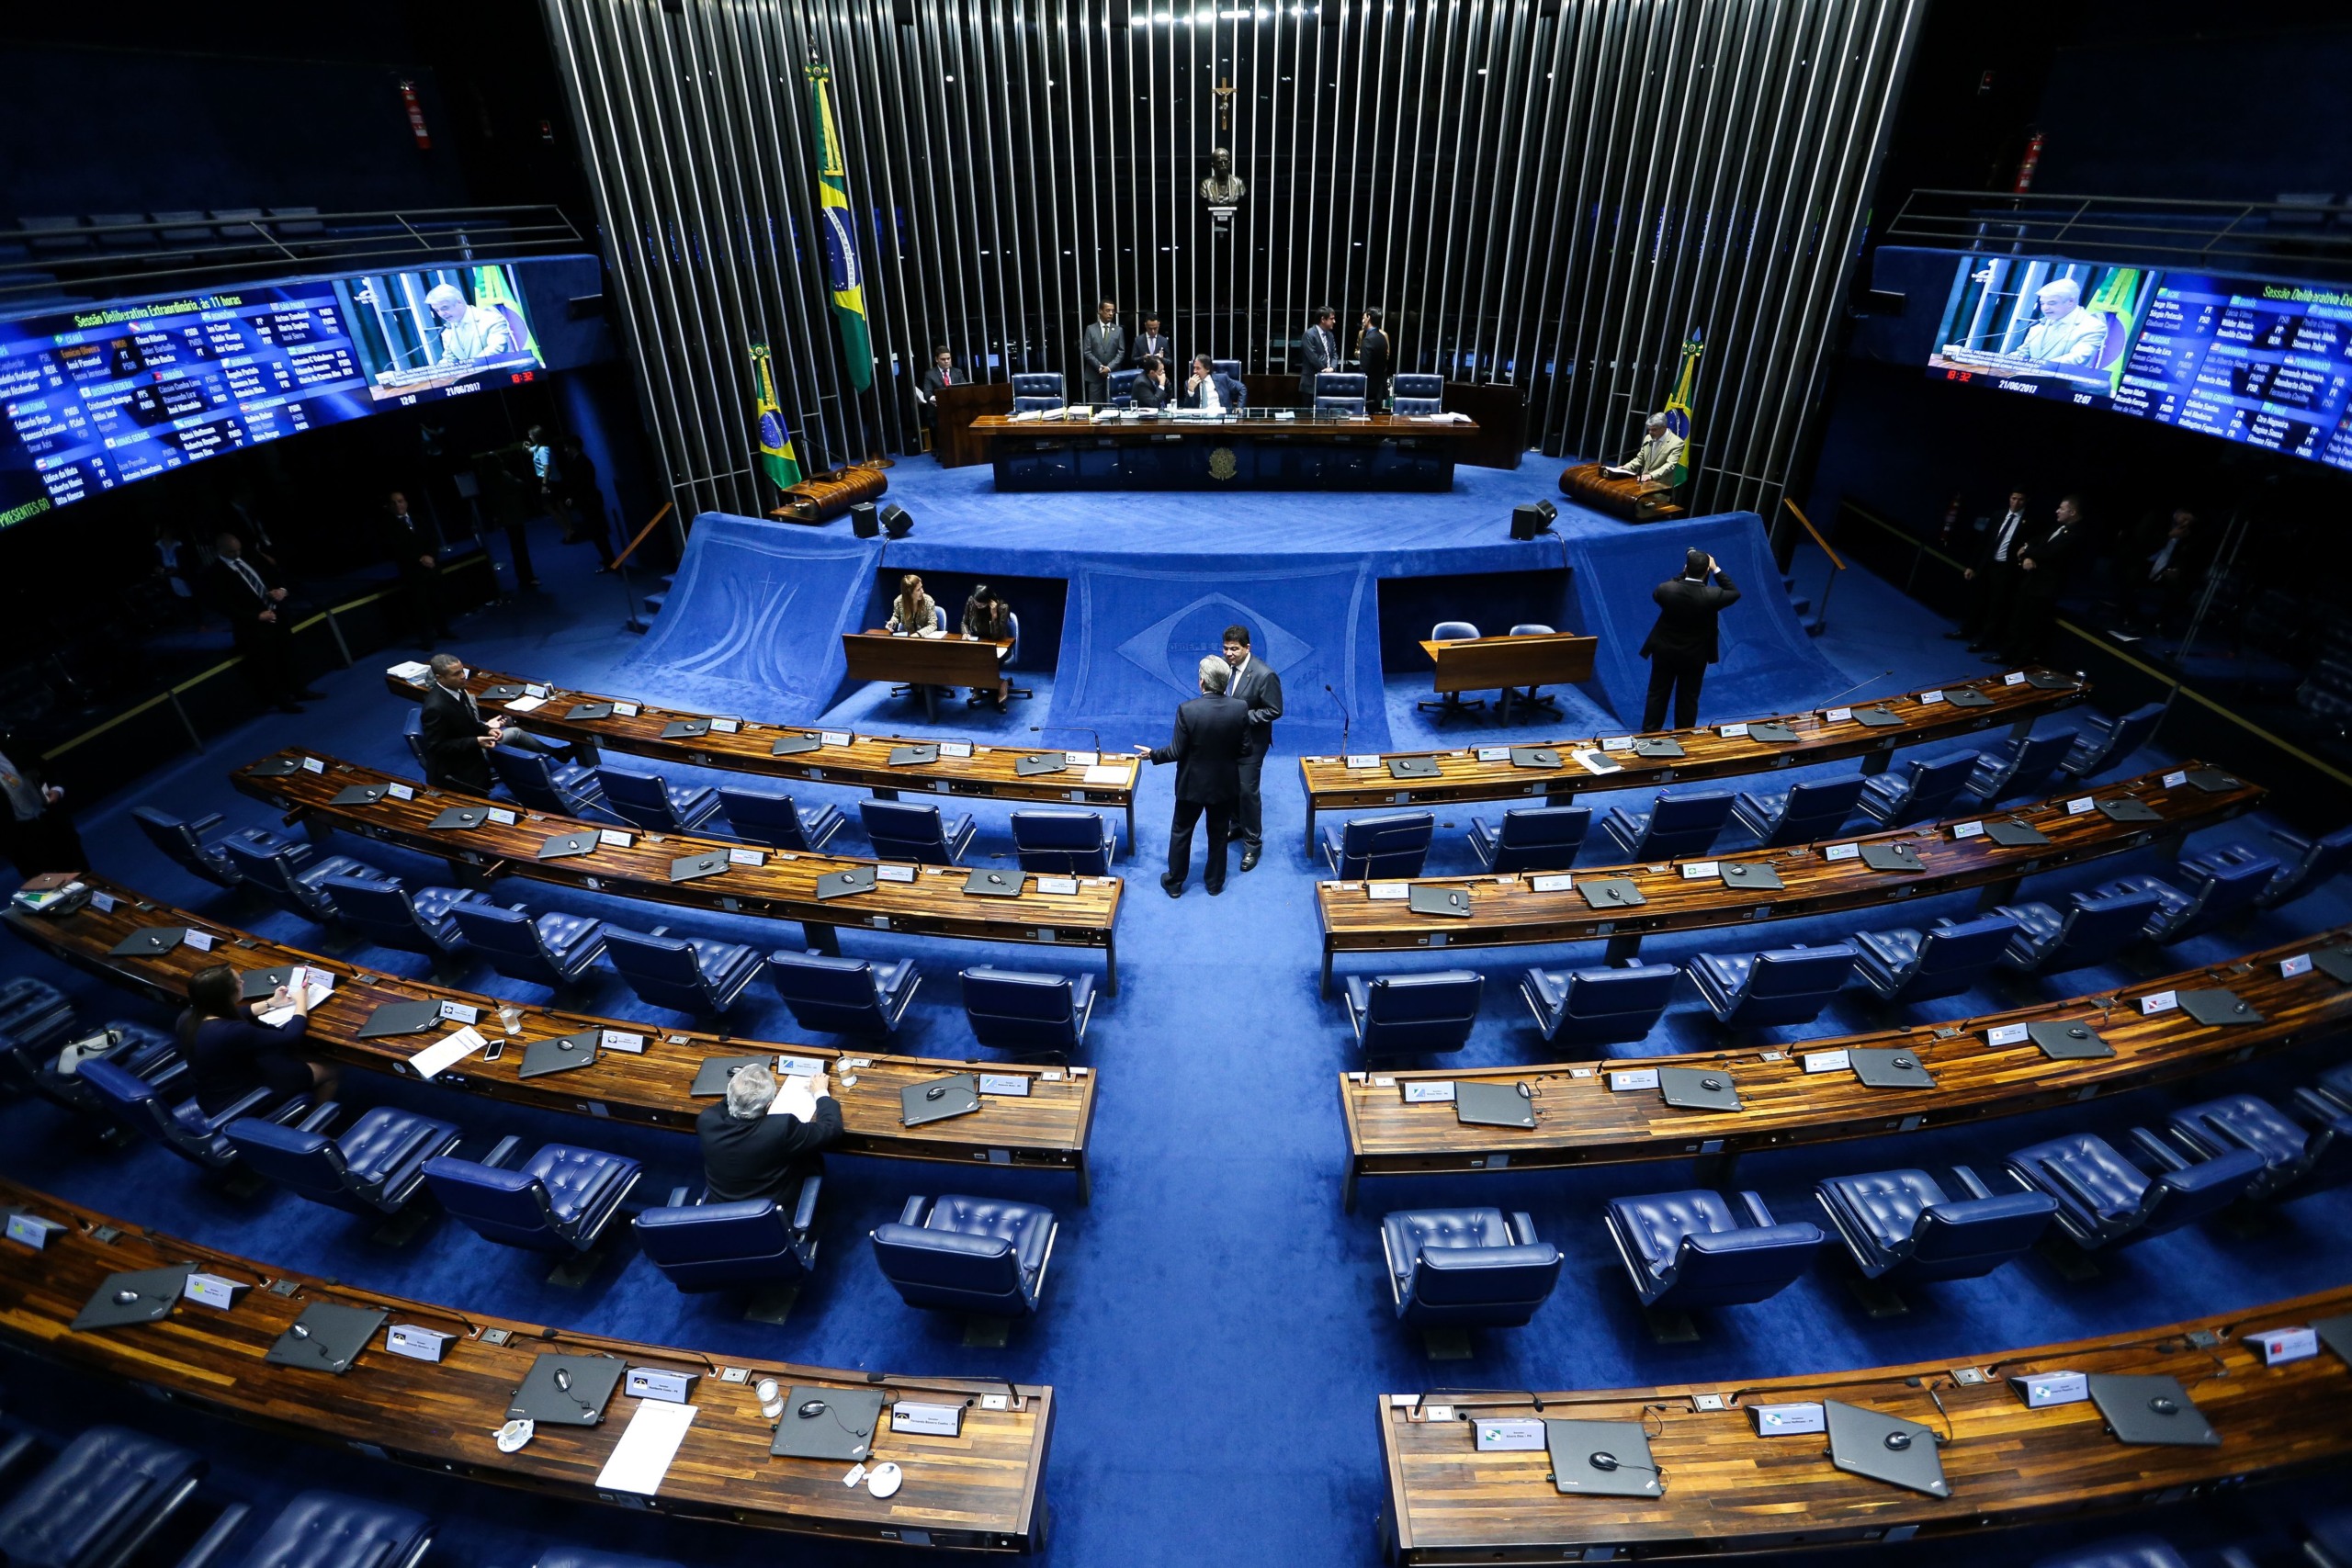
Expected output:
(1858, 685)
(1347, 722)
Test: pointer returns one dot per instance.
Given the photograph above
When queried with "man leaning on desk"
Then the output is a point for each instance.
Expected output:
(1655, 460)
(754, 1149)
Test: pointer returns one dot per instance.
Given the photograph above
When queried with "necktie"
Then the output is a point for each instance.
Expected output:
(252, 578)
(2008, 532)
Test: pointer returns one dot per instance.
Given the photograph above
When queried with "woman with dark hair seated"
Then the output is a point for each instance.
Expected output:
(230, 1053)
(985, 614)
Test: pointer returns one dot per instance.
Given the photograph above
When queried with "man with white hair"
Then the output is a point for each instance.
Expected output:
(2066, 333)
(1212, 736)
(1655, 460)
(468, 332)
(751, 1148)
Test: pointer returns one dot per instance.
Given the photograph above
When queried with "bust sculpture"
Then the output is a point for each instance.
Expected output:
(1223, 188)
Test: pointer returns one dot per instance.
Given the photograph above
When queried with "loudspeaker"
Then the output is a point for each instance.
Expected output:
(896, 520)
(1533, 518)
(861, 520)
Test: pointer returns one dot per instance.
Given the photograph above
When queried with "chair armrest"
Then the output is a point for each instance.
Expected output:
(205, 824)
(1522, 1229)
(244, 1107)
(2312, 1102)
(913, 1214)
(677, 1196)
(318, 1120)
(803, 1214)
(503, 1151)
(660, 931)
(1757, 1214)
(2081, 1195)
(171, 1072)
(208, 1545)
(14, 1453)
(2166, 1157)
(1971, 1181)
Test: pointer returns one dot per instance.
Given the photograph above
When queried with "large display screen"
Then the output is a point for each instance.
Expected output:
(2265, 363)
(103, 395)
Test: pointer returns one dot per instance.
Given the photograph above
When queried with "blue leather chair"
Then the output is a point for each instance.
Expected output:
(559, 789)
(1376, 849)
(1023, 1013)
(2313, 861)
(719, 1246)
(412, 732)
(1228, 368)
(149, 1054)
(385, 912)
(2330, 1100)
(1902, 1227)
(1452, 702)
(292, 882)
(1922, 792)
(2129, 1551)
(34, 1014)
(1339, 394)
(325, 1530)
(553, 950)
(1797, 815)
(2091, 931)
(1065, 843)
(2104, 740)
(1532, 696)
(1675, 826)
(1534, 838)
(1119, 386)
(1412, 393)
(2291, 1153)
(764, 816)
(1599, 1006)
(1467, 1268)
(136, 1103)
(985, 1255)
(1037, 390)
(373, 1166)
(654, 805)
(559, 1199)
(1395, 1015)
(2018, 766)
(696, 974)
(99, 1501)
(1906, 965)
(2215, 895)
(843, 996)
(910, 830)
(1689, 1249)
(183, 842)
(1761, 990)
(2104, 1198)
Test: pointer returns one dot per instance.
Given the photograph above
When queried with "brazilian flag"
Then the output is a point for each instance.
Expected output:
(777, 459)
(1678, 407)
(841, 241)
(493, 291)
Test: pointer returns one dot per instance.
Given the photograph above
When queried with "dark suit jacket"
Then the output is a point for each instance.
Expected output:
(405, 542)
(1318, 352)
(1371, 353)
(1981, 560)
(451, 727)
(1685, 632)
(1228, 391)
(767, 1158)
(1259, 687)
(228, 592)
(1147, 345)
(1149, 394)
(1211, 735)
(2051, 551)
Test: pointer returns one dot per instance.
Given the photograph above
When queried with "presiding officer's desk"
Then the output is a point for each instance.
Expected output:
(1582, 1118)
(940, 659)
(642, 1072)
(1487, 772)
(1725, 1489)
(980, 1490)
(779, 884)
(1253, 450)
(1503, 663)
(861, 761)
(1818, 879)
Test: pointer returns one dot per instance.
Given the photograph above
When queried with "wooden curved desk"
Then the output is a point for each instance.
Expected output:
(1507, 912)
(980, 1490)
(1332, 785)
(784, 886)
(863, 764)
(1046, 1128)
(1581, 1120)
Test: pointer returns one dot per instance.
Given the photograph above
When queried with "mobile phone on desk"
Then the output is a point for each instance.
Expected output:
(497, 1049)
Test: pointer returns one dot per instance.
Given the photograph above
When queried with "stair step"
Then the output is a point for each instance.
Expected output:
(1800, 604)
(653, 603)
(1814, 625)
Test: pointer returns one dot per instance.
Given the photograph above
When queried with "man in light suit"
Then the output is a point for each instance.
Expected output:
(1101, 348)
(1151, 341)
(1655, 460)
(1259, 687)
(1319, 349)
(1682, 643)
(1211, 734)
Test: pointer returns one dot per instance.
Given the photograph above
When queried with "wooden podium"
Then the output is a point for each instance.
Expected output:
(1588, 486)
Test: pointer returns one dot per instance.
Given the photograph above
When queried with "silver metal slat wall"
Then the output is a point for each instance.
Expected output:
(1541, 193)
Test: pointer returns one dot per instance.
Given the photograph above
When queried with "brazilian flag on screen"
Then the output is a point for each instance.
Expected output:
(1678, 407)
(777, 459)
(841, 239)
(493, 291)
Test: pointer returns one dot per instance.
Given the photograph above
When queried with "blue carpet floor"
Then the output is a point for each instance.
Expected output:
(1216, 1328)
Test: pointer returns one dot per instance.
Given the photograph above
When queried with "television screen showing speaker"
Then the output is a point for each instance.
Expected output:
(106, 394)
(2263, 363)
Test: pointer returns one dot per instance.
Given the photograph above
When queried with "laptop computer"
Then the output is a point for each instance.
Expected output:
(834, 1424)
(1748, 877)
(327, 1338)
(2150, 1410)
(462, 816)
(260, 984)
(504, 691)
(1877, 718)
(1609, 893)
(2212, 780)
(567, 1390)
(1883, 1067)
(1656, 746)
(564, 845)
(141, 1295)
(985, 883)
(2042, 680)
(1038, 763)
(1495, 1105)
(591, 710)
(842, 883)
(1772, 732)
(2015, 835)
(1412, 767)
(1885, 1448)
(1605, 1458)
(359, 795)
(911, 756)
(1891, 857)
(793, 745)
(400, 1018)
(2335, 963)
(1451, 902)
(695, 867)
(1535, 757)
(2218, 1008)
(711, 1076)
(148, 942)
(2130, 810)
(561, 1053)
(275, 768)
(1698, 1088)
(686, 729)
(2068, 1040)
(1966, 697)
(957, 1095)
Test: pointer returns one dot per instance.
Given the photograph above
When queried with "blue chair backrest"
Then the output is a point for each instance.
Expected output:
(1532, 628)
(709, 1246)
(1817, 809)
(2328, 856)
(1037, 390)
(1934, 782)
(2230, 889)
(412, 731)
(2097, 927)
(1228, 367)
(1338, 384)
(1446, 997)
(1980, 1227)
(2128, 734)
(175, 839)
(1800, 970)
(1013, 993)
(504, 1205)
(1416, 384)
(1120, 385)
(308, 1162)
(1969, 946)
(764, 816)
(904, 829)
(1012, 626)
(268, 869)
(383, 907)
(947, 1261)
(1685, 824)
(1606, 1007)
(1475, 1276)
(125, 1094)
(833, 994)
(1531, 831)
(34, 1013)
(661, 969)
(2035, 757)
(529, 778)
(1394, 834)
(1733, 1266)
(1451, 631)
(495, 928)
(640, 798)
(1071, 842)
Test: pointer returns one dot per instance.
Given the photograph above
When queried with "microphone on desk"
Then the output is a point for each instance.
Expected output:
(1070, 729)
(1858, 685)
(1347, 722)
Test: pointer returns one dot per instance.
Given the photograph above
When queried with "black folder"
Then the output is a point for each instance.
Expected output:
(2130, 810)
(591, 710)
(1656, 746)
(1535, 757)
(693, 868)
(793, 745)
(275, 768)
(2067, 1040)
(1772, 733)
(2015, 835)
(1451, 902)
(1883, 1067)
(326, 1338)
(686, 729)
(142, 1295)
(1608, 892)
(1968, 697)
(1698, 1088)
(1891, 857)
(1412, 767)
(914, 756)
(1495, 1105)
(359, 795)
(504, 692)
(1748, 878)
(1877, 718)
(260, 984)
(1603, 1459)
(462, 816)
(712, 1076)
(834, 1424)
(561, 1053)
(842, 883)
(148, 942)
(2150, 1410)
(400, 1018)
(565, 845)
(1885, 1448)
(2042, 680)
(958, 1094)
(2335, 963)
(2218, 1008)
(1038, 763)
(985, 883)
(567, 1390)
(2212, 780)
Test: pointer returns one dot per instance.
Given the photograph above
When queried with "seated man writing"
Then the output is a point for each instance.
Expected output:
(753, 1148)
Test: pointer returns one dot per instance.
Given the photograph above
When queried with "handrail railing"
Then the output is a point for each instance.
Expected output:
(1837, 562)
(2292, 236)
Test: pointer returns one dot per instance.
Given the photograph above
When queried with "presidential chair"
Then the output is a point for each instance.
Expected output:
(696, 974)
(183, 843)
(764, 816)
(1674, 826)
(2103, 1198)
(325, 1530)
(2020, 765)
(2092, 929)
(2313, 861)
(1028, 1014)
(553, 950)
(1379, 849)
(294, 883)
(99, 1503)
(1339, 394)
(984, 1256)
(908, 831)
(2103, 740)
(1455, 1269)
(383, 911)
(1228, 368)
(561, 1200)
(1920, 793)
(559, 789)
(1764, 990)
(137, 1103)
(2290, 1152)
(1534, 838)
(1401, 1015)
(1602, 1006)
(1035, 392)
(2216, 894)
(1797, 815)
(1903, 1228)
(1055, 842)
(757, 1243)
(1411, 394)
(654, 805)
(1449, 704)
(843, 996)
(1692, 1249)
(1120, 388)
(1905, 964)
(373, 1166)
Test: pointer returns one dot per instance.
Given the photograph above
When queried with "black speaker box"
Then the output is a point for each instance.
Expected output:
(862, 521)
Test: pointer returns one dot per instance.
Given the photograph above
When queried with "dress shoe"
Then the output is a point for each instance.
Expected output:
(1215, 888)
(1250, 856)
(1172, 887)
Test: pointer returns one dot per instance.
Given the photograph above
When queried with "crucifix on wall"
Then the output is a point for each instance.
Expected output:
(1223, 91)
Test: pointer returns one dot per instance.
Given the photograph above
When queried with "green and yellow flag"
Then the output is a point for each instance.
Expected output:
(841, 239)
(493, 291)
(777, 459)
(2117, 299)
(1678, 407)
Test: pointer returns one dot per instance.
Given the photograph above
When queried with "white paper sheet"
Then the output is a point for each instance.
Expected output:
(642, 1459)
(446, 1053)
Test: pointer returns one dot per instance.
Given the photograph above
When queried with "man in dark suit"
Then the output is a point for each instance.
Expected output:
(253, 603)
(2042, 573)
(1260, 688)
(1153, 388)
(1207, 388)
(1151, 341)
(1212, 733)
(459, 739)
(1990, 569)
(1101, 348)
(1372, 357)
(749, 1152)
(935, 380)
(408, 542)
(1682, 643)
(37, 832)
(1318, 350)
